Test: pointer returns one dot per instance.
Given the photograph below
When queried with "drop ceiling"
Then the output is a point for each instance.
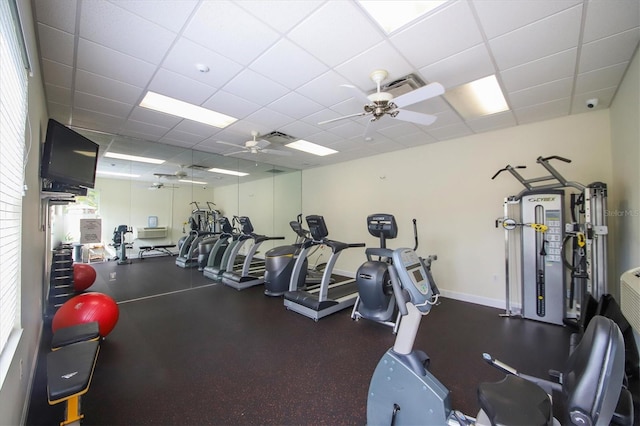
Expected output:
(278, 66)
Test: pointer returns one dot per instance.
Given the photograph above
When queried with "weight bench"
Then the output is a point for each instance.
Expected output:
(162, 248)
(86, 332)
(69, 372)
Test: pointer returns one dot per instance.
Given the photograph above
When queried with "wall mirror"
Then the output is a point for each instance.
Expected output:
(145, 195)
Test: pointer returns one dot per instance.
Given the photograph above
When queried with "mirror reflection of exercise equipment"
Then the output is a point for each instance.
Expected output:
(121, 244)
(544, 249)
(203, 224)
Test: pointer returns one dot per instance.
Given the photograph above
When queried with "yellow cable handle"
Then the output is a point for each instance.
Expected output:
(582, 239)
(538, 227)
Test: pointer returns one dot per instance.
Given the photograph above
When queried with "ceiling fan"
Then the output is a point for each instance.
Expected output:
(178, 174)
(254, 146)
(381, 103)
(159, 185)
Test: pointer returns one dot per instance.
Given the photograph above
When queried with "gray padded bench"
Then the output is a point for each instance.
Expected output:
(161, 248)
(69, 372)
(89, 331)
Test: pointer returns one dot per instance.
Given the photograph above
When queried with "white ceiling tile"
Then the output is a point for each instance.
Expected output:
(230, 31)
(144, 130)
(396, 129)
(348, 129)
(300, 129)
(195, 128)
(381, 56)
(450, 132)
(57, 94)
(435, 37)
(253, 86)
(295, 105)
(551, 68)
(326, 89)
(554, 34)
(609, 50)
(56, 45)
(492, 122)
(185, 55)
(229, 104)
(542, 93)
(414, 139)
(96, 121)
(111, 26)
(281, 15)
(469, 65)
(603, 20)
(60, 14)
(541, 112)
(107, 88)
(59, 112)
(336, 32)
(502, 16)
(101, 105)
(157, 118)
(112, 64)
(288, 65)
(324, 138)
(180, 87)
(603, 77)
(268, 118)
(57, 74)
(171, 14)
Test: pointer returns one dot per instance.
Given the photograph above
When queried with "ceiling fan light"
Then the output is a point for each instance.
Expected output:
(311, 148)
(158, 102)
(478, 98)
(133, 158)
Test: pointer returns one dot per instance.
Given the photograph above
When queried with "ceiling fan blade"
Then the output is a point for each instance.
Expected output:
(359, 114)
(235, 152)
(275, 152)
(420, 94)
(228, 143)
(415, 117)
(357, 93)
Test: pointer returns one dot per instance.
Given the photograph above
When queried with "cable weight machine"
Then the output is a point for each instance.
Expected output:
(545, 249)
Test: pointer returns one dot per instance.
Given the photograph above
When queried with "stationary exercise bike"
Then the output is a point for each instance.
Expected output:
(403, 391)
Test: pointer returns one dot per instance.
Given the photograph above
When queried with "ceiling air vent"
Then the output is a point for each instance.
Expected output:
(403, 85)
(278, 138)
(274, 171)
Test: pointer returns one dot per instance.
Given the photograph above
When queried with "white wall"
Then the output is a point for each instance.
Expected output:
(624, 219)
(447, 187)
(16, 387)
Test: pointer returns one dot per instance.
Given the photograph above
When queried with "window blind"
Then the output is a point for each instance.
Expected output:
(13, 112)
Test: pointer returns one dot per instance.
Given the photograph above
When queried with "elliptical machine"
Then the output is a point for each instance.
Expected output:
(121, 245)
(279, 263)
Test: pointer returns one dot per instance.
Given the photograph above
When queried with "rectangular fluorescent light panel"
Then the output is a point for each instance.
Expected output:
(311, 148)
(129, 175)
(158, 102)
(478, 98)
(192, 181)
(133, 158)
(391, 15)
(228, 172)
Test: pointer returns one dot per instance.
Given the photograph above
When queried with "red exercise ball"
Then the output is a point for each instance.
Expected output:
(88, 307)
(84, 275)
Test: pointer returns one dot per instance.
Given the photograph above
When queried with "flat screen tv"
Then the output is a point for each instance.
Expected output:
(68, 157)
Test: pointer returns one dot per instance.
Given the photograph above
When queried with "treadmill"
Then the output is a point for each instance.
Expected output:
(250, 275)
(223, 256)
(328, 298)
